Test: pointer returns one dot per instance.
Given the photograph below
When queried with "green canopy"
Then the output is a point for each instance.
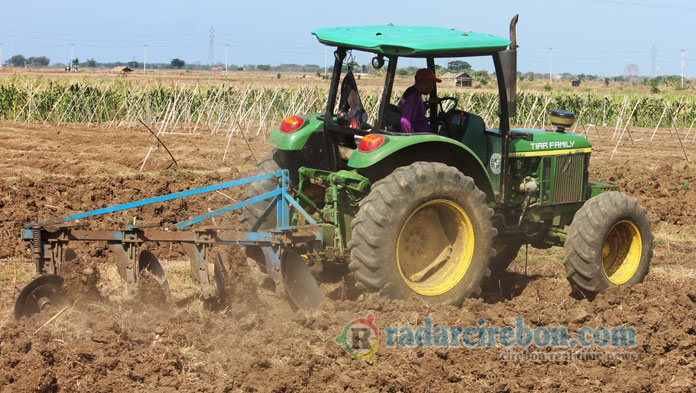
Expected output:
(414, 41)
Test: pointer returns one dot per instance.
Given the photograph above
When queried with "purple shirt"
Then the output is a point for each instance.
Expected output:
(413, 117)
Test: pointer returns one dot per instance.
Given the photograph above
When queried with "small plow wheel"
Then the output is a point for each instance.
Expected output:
(43, 292)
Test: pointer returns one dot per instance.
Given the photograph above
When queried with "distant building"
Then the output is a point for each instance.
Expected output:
(463, 80)
(122, 70)
(576, 83)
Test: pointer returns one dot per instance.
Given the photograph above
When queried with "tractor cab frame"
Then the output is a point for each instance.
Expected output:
(502, 52)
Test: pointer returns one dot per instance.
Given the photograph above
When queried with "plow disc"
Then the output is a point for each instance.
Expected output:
(43, 292)
(220, 281)
(301, 286)
(147, 261)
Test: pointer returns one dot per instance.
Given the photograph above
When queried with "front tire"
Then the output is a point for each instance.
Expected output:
(423, 230)
(609, 243)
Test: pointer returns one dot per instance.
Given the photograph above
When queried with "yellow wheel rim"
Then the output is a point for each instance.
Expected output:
(435, 247)
(621, 252)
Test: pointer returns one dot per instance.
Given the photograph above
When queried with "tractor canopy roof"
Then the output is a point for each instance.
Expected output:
(411, 41)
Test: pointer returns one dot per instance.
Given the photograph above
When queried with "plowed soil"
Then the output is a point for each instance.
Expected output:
(104, 341)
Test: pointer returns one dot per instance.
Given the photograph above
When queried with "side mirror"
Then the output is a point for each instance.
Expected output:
(377, 62)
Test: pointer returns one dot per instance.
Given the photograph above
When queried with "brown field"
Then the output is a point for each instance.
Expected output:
(107, 342)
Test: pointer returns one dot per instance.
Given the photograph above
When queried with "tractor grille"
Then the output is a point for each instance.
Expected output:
(568, 178)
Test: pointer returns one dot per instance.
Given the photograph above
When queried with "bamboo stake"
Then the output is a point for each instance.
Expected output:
(31, 92)
(692, 124)
(624, 130)
(659, 121)
(676, 131)
(69, 109)
(268, 109)
(543, 112)
(55, 105)
(531, 111)
(154, 140)
(158, 140)
(200, 113)
(619, 119)
(245, 140)
(38, 105)
(524, 97)
(98, 103)
(125, 100)
(579, 119)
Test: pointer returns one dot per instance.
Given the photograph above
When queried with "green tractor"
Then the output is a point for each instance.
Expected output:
(433, 214)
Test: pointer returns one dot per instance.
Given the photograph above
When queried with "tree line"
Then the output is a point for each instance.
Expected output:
(21, 61)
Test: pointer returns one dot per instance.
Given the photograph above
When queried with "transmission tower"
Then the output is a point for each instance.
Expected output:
(211, 48)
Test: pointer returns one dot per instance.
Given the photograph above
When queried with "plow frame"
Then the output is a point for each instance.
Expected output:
(48, 239)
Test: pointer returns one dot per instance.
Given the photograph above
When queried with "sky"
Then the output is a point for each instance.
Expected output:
(599, 37)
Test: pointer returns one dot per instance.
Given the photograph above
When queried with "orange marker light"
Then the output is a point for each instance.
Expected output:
(371, 142)
(291, 124)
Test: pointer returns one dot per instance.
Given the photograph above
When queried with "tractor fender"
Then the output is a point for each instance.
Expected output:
(297, 139)
(398, 150)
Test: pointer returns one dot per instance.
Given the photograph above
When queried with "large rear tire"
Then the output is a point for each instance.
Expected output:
(423, 230)
(609, 243)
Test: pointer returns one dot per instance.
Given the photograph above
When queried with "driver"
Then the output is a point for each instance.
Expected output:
(413, 116)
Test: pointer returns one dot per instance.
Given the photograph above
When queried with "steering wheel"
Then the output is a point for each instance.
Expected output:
(441, 114)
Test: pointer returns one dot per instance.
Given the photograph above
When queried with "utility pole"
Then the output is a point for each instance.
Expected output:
(550, 65)
(325, 54)
(72, 49)
(653, 57)
(682, 85)
(145, 60)
(1, 44)
(227, 46)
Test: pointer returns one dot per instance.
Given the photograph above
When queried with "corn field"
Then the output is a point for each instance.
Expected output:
(174, 108)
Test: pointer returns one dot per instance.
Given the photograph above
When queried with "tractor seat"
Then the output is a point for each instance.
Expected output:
(392, 118)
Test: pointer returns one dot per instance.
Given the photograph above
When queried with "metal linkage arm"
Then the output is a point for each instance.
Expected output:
(164, 198)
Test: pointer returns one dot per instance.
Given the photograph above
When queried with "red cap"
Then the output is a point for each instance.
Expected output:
(425, 74)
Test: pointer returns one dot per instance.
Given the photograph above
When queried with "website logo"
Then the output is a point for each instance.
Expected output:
(360, 337)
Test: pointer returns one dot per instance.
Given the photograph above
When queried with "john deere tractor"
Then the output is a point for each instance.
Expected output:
(432, 214)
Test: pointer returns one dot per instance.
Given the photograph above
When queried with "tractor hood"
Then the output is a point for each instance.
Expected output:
(545, 143)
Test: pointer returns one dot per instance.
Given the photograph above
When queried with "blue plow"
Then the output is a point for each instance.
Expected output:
(49, 239)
